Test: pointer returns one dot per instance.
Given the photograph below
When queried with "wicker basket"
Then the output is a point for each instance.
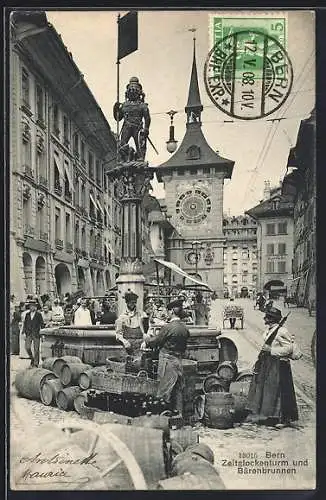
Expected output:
(118, 383)
(117, 366)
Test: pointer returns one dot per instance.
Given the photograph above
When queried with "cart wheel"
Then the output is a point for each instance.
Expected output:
(122, 450)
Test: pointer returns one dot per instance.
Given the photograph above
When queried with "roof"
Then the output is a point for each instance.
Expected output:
(173, 267)
(50, 57)
(207, 157)
(194, 101)
(267, 208)
(194, 151)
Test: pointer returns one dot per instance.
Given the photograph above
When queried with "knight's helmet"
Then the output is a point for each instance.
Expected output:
(134, 87)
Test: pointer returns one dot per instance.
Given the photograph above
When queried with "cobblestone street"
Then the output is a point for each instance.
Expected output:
(247, 441)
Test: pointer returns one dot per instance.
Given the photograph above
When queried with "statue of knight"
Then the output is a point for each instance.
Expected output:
(136, 123)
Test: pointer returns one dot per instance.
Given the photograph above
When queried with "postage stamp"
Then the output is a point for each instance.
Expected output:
(248, 73)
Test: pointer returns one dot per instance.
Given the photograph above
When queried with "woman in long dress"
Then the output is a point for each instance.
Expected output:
(271, 397)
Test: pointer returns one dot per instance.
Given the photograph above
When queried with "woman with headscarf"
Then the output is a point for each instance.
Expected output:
(271, 398)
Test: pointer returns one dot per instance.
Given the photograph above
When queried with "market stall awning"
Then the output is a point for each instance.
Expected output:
(173, 267)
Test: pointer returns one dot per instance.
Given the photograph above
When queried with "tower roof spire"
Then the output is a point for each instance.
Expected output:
(194, 106)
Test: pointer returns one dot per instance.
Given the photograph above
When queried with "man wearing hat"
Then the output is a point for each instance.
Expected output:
(271, 397)
(32, 325)
(172, 343)
(131, 325)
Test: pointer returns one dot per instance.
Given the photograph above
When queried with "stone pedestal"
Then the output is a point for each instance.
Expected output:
(132, 181)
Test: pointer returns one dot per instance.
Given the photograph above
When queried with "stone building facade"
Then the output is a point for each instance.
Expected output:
(240, 255)
(274, 217)
(64, 218)
(301, 184)
(194, 180)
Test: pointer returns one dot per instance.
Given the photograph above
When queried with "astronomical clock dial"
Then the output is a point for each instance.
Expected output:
(193, 206)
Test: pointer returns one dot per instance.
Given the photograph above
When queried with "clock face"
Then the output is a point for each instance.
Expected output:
(193, 206)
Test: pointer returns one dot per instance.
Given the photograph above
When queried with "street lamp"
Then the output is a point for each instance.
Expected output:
(196, 246)
(171, 144)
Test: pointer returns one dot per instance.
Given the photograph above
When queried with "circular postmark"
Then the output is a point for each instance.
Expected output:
(248, 75)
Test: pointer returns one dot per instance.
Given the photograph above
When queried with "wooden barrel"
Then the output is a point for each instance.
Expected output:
(213, 383)
(28, 382)
(65, 397)
(227, 370)
(153, 421)
(81, 409)
(85, 379)
(227, 349)
(239, 390)
(202, 450)
(189, 366)
(219, 407)
(187, 481)
(189, 462)
(70, 373)
(147, 445)
(244, 376)
(108, 417)
(48, 363)
(59, 362)
(49, 391)
(185, 437)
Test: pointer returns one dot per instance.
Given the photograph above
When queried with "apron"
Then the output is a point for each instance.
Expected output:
(134, 336)
(170, 373)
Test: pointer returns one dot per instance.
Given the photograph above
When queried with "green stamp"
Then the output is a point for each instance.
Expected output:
(248, 73)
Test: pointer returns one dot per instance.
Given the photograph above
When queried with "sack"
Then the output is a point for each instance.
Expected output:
(296, 353)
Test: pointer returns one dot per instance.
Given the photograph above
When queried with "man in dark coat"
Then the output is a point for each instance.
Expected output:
(172, 343)
(33, 323)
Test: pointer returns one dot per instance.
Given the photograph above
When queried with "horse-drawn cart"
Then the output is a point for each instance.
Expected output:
(231, 312)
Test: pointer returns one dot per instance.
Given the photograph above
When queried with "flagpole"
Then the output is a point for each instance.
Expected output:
(118, 89)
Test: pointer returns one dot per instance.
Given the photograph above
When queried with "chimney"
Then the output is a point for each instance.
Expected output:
(267, 190)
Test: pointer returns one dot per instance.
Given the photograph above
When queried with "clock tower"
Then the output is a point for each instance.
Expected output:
(193, 180)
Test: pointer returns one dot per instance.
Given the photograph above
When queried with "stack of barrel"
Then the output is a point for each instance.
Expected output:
(225, 396)
(61, 381)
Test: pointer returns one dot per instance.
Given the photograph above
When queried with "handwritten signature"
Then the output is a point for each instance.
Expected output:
(60, 459)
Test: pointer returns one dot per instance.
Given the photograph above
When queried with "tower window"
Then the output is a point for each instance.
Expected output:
(193, 153)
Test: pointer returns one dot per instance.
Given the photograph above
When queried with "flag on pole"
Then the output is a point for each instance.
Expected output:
(127, 34)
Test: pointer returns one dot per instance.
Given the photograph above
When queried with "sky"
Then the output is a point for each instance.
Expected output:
(163, 63)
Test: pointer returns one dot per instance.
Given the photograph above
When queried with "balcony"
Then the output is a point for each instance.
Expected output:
(59, 244)
(58, 189)
(28, 230)
(43, 181)
(69, 247)
(44, 236)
